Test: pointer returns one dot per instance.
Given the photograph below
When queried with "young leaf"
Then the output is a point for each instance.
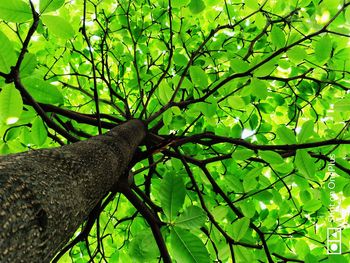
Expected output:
(43, 91)
(46, 6)
(271, 157)
(58, 26)
(187, 248)
(305, 164)
(196, 6)
(240, 228)
(39, 132)
(172, 195)
(198, 76)
(16, 11)
(306, 131)
(7, 54)
(193, 217)
(11, 104)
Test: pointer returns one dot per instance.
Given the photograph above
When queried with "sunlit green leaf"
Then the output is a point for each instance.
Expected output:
(58, 26)
(7, 54)
(11, 104)
(180, 59)
(236, 102)
(271, 157)
(196, 6)
(172, 195)
(39, 132)
(305, 164)
(193, 217)
(296, 54)
(259, 88)
(286, 135)
(239, 65)
(28, 65)
(198, 76)
(42, 91)
(50, 5)
(312, 205)
(323, 48)
(346, 190)
(15, 11)
(187, 248)
(306, 131)
(240, 228)
(277, 36)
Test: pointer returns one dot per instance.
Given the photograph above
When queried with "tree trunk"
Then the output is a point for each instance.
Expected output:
(46, 194)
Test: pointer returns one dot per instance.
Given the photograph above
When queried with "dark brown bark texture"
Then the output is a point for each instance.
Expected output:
(46, 194)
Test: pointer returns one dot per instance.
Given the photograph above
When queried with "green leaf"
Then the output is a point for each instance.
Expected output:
(259, 88)
(167, 117)
(286, 135)
(58, 26)
(164, 92)
(242, 154)
(46, 6)
(271, 157)
(11, 104)
(179, 3)
(193, 217)
(143, 247)
(196, 6)
(249, 184)
(39, 132)
(28, 65)
(252, 4)
(180, 59)
(187, 248)
(278, 37)
(172, 195)
(238, 65)
(198, 76)
(323, 48)
(265, 69)
(7, 54)
(16, 11)
(306, 131)
(305, 164)
(43, 91)
(312, 205)
(346, 190)
(240, 228)
(297, 54)
(342, 105)
(236, 102)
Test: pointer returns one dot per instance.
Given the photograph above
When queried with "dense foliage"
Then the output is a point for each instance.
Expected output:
(247, 104)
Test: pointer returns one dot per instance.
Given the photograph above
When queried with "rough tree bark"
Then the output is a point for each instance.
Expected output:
(46, 194)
